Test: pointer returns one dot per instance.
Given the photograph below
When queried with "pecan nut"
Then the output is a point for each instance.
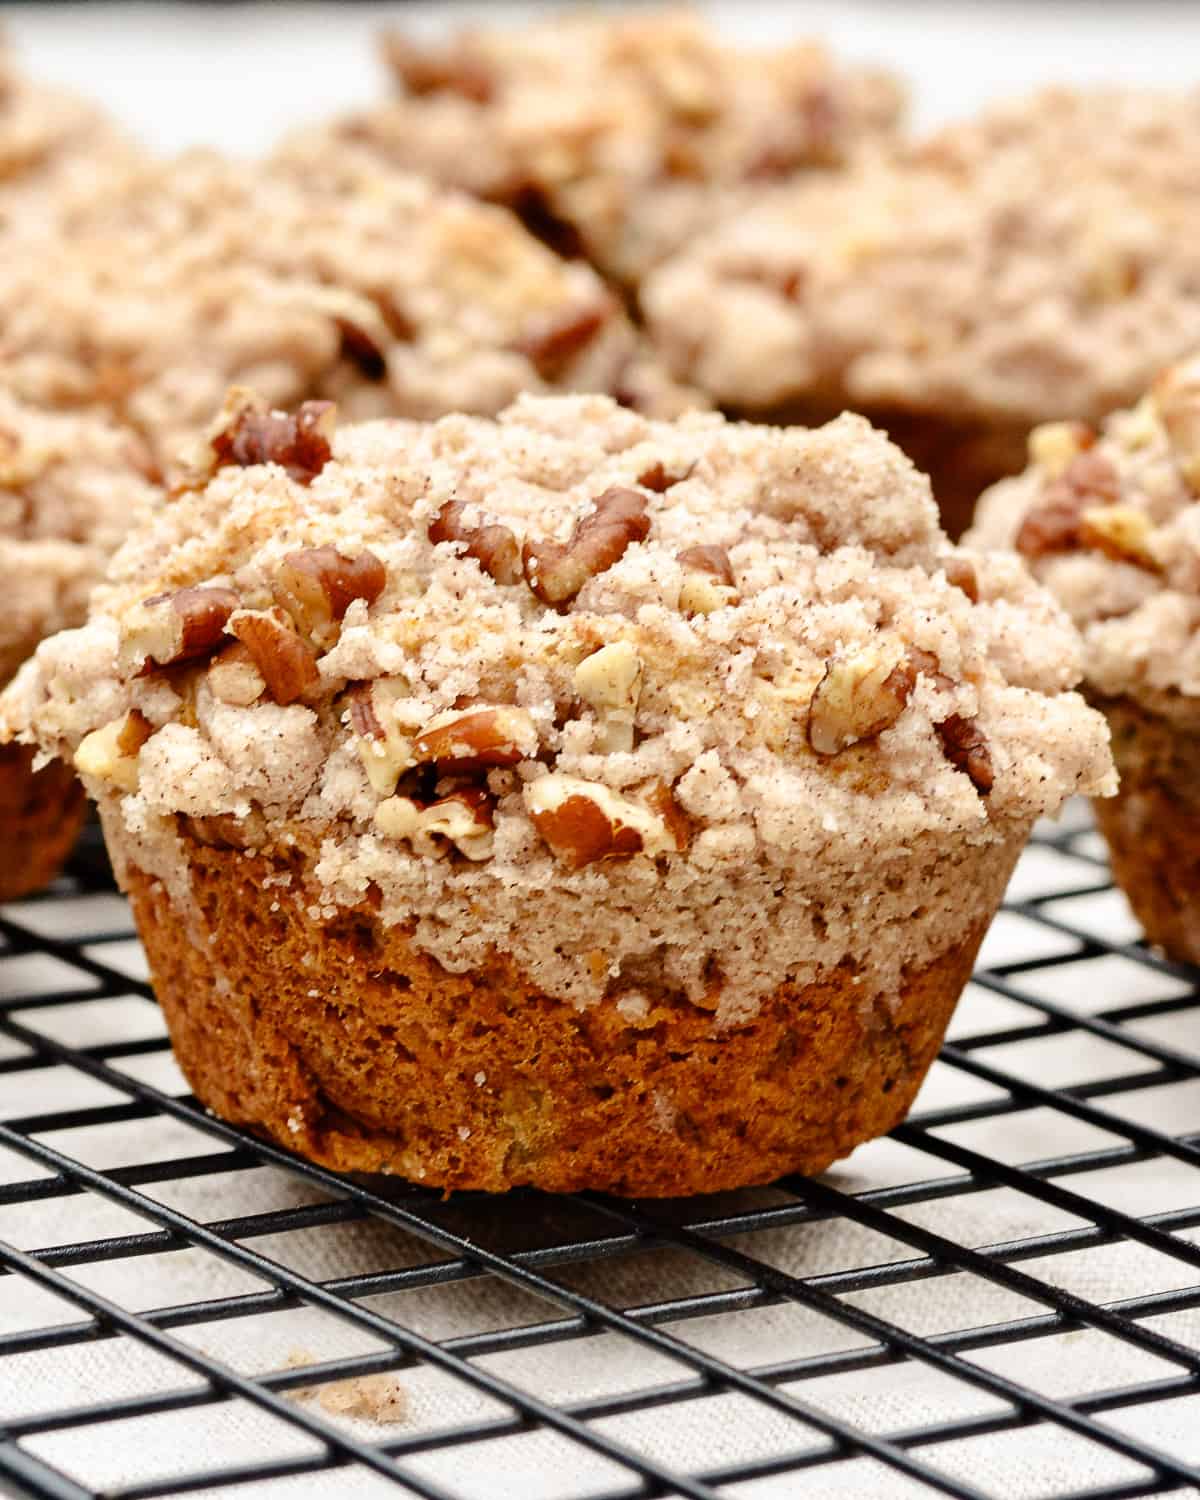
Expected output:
(385, 751)
(493, 547)
(248, 432)
(859, 696)
(1089, 480)
(585, 821)
(174, 627)
(965, 747)
(610, 682)
(464, 819)
(233, 676)
(1121, 532)
(110, 753)
(317, 585)
(287, 664)
(556, 571)
(1176, 398)
(708, 581)
(476, 739)
(550, 344)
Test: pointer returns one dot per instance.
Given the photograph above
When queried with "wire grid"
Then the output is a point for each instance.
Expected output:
(1064, 993)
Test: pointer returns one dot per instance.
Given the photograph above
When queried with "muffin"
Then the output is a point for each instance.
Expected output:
(56, 151)
(568, 799)
(1110, 520)
(392, 295)
(69, 487)
(616, 137)
(966, 291)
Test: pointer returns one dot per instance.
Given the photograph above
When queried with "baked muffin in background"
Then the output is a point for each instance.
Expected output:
(389, 293)
(617, 137)
(1041, 262)
(57, 151)
(1110, 520)
(70, 486)
(569, 799)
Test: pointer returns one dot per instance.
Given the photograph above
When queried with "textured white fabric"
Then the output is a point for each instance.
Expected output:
(235, 77)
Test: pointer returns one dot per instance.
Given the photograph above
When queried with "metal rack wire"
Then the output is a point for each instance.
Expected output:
(1075, 1040)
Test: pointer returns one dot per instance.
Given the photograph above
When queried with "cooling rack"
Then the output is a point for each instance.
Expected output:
(1002, 1298)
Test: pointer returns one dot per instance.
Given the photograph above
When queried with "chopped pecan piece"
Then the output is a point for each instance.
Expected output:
(287, 663)
(386, 752)
(658, 478)
(493, 547)
(110, 753)
(965, 748)
(551, 343)
(610, 680)
(708, 581)
(476, 739)
(859, 696)
(316, 587)
(301, 442)
(361, 349)
(585, 821)
(1052, 525)
(960, 571)
(556, 571)
(178, 626)
(1121, 532)
(464, 818)
(233, 676)
(1176, 397)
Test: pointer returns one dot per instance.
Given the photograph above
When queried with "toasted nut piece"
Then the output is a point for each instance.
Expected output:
(360, 346)
(1121, 532)
(556, 571)
(960, 571)
(464, 818)
(493, 547)
(476, 739)
(1053, 445)
(1176, 395)
(287, 663)
(860, 696)
(551, 343)
(926, 663)
(248, 432)
(454, 69)
(1089, 480)
(610, 680)
(965, 748)
(708, 581)
(110, 753)
(317, 586)
(234, 678)
(174, 627)
(386, 752)
(585, 821)
(657, 478)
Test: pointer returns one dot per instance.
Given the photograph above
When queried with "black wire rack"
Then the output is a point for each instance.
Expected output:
(1019, 1259)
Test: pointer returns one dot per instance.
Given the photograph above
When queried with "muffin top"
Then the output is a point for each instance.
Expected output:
(568, 655)
(70, 485)
(619, 136)
(56, 151)
(1110, 520)
(1042, 261)
(386, 292)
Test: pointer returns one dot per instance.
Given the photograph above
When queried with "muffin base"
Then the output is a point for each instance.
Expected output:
(342, 1041)
(1152, 825)
(41, 813)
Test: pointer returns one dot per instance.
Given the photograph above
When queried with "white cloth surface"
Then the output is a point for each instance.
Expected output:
(235, 77)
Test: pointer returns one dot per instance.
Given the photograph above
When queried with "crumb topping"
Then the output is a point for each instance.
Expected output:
(617, 137)
(385, 293)
(70, 485)
(612, 758)
(1110, 520)
(1040, 261)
